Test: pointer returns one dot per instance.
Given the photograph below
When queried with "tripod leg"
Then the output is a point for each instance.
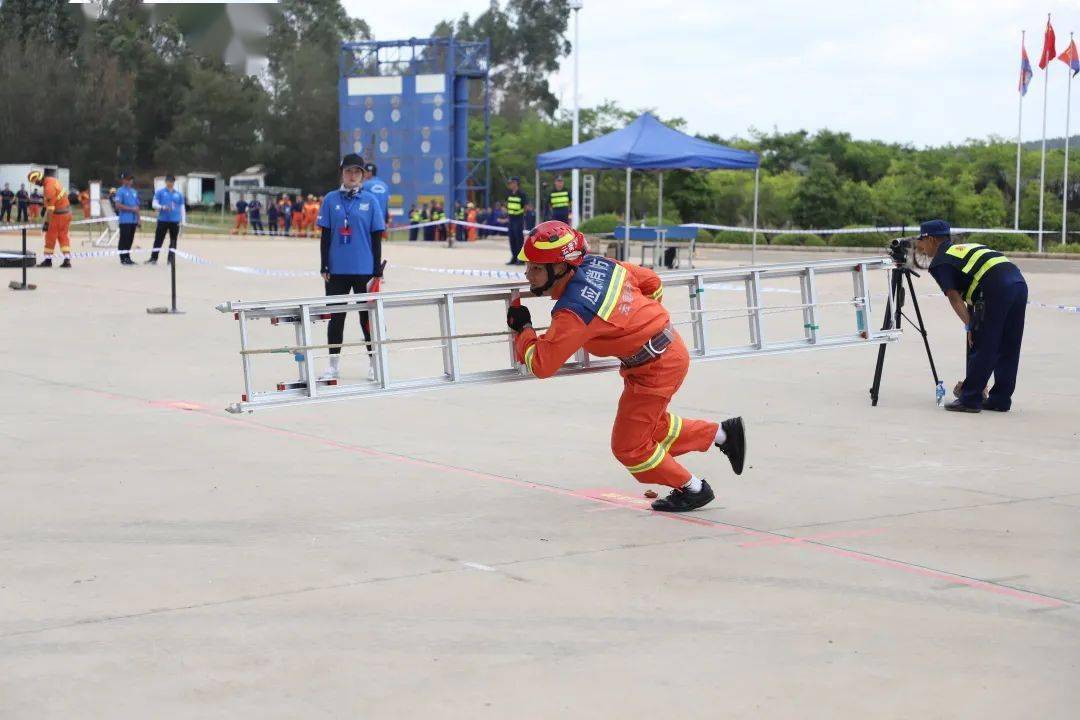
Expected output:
(888, 324)
(922, 331)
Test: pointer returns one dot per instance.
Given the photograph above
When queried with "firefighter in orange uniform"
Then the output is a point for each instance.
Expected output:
(613, 309)
(311, 212)
(57, 217)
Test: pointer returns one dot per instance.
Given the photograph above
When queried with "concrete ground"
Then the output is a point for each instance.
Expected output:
(477, 553)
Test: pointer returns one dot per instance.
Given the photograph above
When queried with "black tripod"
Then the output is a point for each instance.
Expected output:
(893, 319)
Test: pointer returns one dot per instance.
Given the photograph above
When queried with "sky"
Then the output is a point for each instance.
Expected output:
(924, 72)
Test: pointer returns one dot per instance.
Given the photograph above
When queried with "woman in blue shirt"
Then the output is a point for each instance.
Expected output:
(352, 225)
(171, 212)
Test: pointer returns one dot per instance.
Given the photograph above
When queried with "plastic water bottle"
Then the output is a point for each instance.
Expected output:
(939, 392)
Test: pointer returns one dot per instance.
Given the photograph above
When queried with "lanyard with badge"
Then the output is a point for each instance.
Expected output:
(345, 232)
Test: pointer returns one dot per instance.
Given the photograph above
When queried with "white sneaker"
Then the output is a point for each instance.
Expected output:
(331, 373)
(371, 373)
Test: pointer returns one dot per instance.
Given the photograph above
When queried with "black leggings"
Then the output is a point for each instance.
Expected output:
(343, 285)
(5, 214)
(172, 228)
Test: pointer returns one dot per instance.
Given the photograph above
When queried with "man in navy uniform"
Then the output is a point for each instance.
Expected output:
(515, 211)
(352, 224)
(989, 295)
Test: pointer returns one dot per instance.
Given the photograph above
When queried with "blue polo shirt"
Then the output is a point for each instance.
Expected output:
(380, 190)
(351, 254)
(171, 204)
(126, 196)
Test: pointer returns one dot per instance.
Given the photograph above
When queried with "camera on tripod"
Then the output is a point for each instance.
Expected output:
(902, 250)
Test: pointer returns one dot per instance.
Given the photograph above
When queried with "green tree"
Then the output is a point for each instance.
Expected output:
(220, 117)
(817, 201)
(302, 145)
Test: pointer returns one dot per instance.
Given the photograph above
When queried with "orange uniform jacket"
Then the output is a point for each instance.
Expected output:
(55, 196)
(631, 319)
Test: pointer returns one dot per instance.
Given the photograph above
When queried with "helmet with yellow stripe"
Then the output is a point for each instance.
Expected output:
(36, 177)
(554, 242)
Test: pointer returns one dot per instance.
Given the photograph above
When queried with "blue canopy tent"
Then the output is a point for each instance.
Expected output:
(648, 144)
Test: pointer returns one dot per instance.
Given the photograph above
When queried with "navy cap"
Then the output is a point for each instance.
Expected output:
(515, 179)
(126, 175)
(935, 228)
(370, 167)
(170, 178)
(351, 160)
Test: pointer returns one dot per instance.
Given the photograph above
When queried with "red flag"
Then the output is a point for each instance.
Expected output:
(1071, 58)
(1049, 51)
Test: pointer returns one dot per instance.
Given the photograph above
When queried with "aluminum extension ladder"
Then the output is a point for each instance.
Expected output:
(305, 313)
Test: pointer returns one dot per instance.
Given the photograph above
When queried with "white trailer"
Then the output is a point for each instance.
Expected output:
(14, 174)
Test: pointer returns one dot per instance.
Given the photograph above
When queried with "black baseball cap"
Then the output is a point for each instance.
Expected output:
(370, 167)
(170, 178)
(126, 175)
(351, 160)
(515, 179)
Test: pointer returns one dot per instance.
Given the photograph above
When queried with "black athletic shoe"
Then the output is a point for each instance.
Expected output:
(47, 262)
(679, 500)
(995, 408)
(735, 444)
(959, 406)
(66, 263)
(151, 261)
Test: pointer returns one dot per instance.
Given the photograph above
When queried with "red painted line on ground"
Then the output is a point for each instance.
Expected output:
(609, 496)
(781, 540)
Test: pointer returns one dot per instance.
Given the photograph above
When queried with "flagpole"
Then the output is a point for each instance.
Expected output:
(1042, 167)
(1065, 182)
(1019, 130)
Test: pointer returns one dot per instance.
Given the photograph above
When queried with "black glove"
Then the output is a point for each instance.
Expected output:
(518, 317)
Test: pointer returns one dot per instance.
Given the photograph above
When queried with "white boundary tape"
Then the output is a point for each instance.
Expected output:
(851, 231)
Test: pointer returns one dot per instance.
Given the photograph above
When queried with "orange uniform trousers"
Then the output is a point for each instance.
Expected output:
(241, 225)
(646, 437)
(58, 232)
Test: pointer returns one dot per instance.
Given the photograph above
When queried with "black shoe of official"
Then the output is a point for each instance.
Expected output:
(994, 407)
(66, 263)
(959, 406)
(47, 262)
(679, 500)
(151, 261)
(735, 443)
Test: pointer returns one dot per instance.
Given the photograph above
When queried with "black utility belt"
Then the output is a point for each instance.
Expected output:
(651, 350)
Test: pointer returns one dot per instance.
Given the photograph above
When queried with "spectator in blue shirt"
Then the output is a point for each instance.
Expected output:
(352, 226)
(272, 216)
(255, 210)
(171, 213)
(375, 185)
(126, 204)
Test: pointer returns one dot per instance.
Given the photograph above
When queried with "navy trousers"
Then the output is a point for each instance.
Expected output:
(996, 351)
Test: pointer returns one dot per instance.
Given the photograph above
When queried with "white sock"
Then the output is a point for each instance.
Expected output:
(335, 362)
(693, 484)
(721, 436)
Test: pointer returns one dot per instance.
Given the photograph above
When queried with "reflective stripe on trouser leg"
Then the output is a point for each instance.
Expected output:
(634, 442)
(681, 435)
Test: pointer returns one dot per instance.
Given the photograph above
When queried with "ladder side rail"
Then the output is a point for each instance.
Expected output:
(304, 329)
(451, 356)
(810, 299)
(381, 355)
(755, 309)
(249, 378)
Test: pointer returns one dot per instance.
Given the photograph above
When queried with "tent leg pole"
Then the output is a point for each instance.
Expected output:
(539, 206)
(753, 241)
(626, 221)
(660, 201)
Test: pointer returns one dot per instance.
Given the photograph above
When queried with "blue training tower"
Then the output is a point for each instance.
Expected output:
(409, 107)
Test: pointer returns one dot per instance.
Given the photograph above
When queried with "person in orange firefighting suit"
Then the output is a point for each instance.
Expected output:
(57, 209)
(613, 309)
